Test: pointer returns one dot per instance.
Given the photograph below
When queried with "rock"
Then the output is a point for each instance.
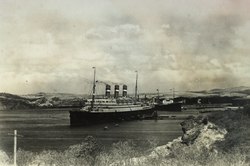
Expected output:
(209, 134)
(192, 128)
(197, 133)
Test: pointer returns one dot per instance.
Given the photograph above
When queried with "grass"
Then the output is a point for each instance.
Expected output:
(187, 156)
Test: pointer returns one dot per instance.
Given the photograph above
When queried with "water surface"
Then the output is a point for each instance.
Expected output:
(50, 129)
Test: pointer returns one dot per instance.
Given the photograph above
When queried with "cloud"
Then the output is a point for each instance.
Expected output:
(185, 44)
(126, 31)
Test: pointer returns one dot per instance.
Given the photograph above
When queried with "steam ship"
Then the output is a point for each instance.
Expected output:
(110, 109)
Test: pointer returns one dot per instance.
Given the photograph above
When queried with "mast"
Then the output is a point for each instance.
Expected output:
(136, 85)
(173, 93)
(93, 94)
(158, 96)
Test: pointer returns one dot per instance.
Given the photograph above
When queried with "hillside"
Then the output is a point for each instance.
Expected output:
(10, 102)
(39, 100)
(58, 100)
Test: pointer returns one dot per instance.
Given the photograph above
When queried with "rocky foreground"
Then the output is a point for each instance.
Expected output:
(198, 134)
(221, 139)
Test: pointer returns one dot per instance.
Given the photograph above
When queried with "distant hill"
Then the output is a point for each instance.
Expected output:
(39, 100)
(51, 95)
(61, 100)
(241, 91)
(10, 102)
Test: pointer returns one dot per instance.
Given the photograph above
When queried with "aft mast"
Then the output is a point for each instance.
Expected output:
(93, 93)
(136, 85)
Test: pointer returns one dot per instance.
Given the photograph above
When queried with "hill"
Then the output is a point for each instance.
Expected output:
(39, 100)
(63, 100)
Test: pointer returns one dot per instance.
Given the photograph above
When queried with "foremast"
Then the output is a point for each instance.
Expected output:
(93, 92)
(136, 80)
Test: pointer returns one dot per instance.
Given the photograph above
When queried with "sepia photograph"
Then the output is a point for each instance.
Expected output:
(124, 83)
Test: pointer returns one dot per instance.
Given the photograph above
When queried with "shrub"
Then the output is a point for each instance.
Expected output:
(4, 158)
(24, 157)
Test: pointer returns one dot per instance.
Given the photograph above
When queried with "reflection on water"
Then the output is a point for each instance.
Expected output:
(45, 129)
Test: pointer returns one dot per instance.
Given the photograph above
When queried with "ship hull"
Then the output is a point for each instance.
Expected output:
(174, 107)
(84, 118)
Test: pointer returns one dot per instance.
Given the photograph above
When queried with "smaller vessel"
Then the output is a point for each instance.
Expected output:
(164, 104)
(110, 109)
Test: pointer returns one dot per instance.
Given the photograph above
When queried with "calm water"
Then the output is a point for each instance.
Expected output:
(44, 129)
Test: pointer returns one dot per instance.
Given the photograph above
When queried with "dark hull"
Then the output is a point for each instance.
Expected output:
(82, 118)
(175, 107)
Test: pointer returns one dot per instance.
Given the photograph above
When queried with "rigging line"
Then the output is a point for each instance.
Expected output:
(109, 82)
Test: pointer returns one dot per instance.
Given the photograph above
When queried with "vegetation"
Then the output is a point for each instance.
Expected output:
(87, 154)
(237, 124)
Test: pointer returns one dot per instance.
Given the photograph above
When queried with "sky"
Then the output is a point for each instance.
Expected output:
(52, 45)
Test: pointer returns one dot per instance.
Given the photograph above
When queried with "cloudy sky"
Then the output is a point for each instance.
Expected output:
(52, 45)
